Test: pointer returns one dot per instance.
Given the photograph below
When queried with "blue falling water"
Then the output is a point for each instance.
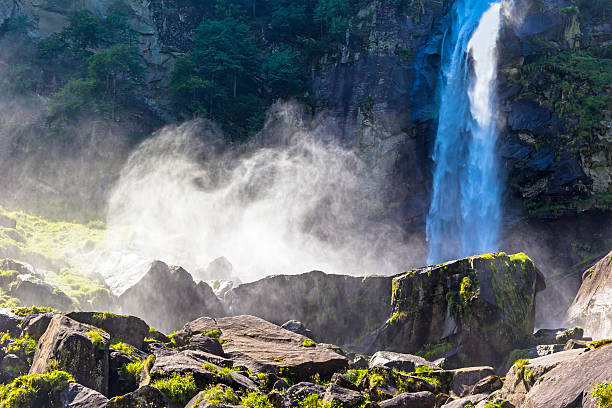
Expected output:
(465, 212)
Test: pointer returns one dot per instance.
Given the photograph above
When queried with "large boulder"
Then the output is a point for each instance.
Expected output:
(560, 380)
(592, 306)
(484, 305)
(423, 399)
(337, 308)
(167, 297)
(129, 329)
(263, 346)
(32, 291)
(77, 348)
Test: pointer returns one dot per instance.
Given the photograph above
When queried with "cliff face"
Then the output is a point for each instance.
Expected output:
(378, 95)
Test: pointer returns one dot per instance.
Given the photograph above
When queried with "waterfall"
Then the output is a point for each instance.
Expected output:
(465, 212)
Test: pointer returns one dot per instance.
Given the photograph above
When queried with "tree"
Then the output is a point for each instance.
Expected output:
(332, 17)
(282, 73)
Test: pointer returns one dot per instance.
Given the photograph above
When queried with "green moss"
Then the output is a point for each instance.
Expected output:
(602, 395)
(256, 400)
(218, 394)
(26, 311)
(179, 388)
(313, 401)
(215, 334)
(524, 372)
(26, 390)
(432, 351)
(498, 404)
(599, 343)
(210, 367)
(124, 347)
(308, 343)
(23, 347)
(467, 291)
(96, 338)
(355, 376)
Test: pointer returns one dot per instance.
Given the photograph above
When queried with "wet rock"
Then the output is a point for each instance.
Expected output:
(560, 380)
(424, 399)
(339, 396)
(592, 306)
(77, 348)
(78, 396)
(398, 361)
(167, 297)
(262, 346)
(129, 329)
(144, 397)
(485, 304)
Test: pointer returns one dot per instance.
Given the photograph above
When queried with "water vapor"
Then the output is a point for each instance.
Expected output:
(294, 202)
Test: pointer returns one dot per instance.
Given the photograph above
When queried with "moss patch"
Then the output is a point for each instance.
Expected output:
(25, 390)
(179, 388)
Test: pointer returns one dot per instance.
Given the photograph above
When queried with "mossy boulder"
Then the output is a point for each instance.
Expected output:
(129, 329)
(77, 348)
(483, 305)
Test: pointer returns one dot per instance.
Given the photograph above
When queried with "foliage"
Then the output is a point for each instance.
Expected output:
(308, 343)
(219, 394)
(256, 400)
(355, 376)
(123, 347)
(23, 347)
(313, 401)
(602, 395)
(599, 343)
(96, 338)
(523, 371)
(26, 311)
(179, 388)
(27, 389)
(432, 351)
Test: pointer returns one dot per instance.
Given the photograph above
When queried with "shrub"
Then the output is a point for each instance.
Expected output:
(26, 390)
(602, 395)
(124, 347)
(355, 376)
(23, 348)
(256, 400)
(179, 388)
(25, 311)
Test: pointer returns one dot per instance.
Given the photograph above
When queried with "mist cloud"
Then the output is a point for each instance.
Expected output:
(295, 204)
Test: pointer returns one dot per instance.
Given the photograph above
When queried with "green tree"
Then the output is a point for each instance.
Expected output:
(332, 18)
(282, 73)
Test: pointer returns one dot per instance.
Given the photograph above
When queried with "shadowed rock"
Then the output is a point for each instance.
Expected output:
(129, 329)
(77, 396)
(144, 397)
(167, 297)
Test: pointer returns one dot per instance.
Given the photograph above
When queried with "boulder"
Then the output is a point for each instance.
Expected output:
(560, 380)
(337, 308)
(118, 382)
(200, 364)
(167, 297)
(129, 329)
(78, 396)
(298, 328)
(468, 401)
(592, 306)
(31, 291)
(205, 343)
(484, 304)
(464, 379)
(36, 324)
(339, 396)
(263, 346)
(423, 399)
(398, 361)
(77, 348)
(9, 321)
(144, 397)
(487, 385)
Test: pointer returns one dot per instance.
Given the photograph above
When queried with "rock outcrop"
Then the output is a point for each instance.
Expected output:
(561, 380)
(79, 349)
(167, 297)
(337, 308)
(592, 307)
(262, 346)
(483, 305)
